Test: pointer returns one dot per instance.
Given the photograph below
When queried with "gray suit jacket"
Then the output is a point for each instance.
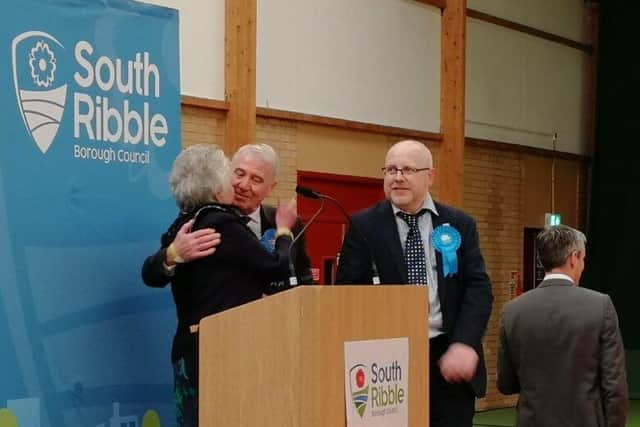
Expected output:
(561, 349)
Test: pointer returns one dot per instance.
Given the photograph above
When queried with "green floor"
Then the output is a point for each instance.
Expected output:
(507, 417)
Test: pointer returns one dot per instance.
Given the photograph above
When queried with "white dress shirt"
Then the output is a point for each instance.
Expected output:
(255, 222)
(426, 228)
(557, 276)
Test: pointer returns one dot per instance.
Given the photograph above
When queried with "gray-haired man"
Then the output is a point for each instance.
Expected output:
(560, 345)
(254, 170)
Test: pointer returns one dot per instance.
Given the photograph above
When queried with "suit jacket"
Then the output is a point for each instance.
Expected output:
(153, 273)
(465, 298)
(561, 349)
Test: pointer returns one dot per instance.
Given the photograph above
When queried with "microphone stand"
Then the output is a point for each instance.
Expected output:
(309, 193)
(293, 279)
(376, 277)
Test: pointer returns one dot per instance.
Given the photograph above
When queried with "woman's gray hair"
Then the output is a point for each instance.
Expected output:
(261, 151)
(199, 172)
(555, 244)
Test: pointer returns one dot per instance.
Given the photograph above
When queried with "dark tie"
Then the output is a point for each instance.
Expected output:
(414, 256)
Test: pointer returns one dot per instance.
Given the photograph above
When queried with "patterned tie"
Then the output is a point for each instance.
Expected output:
(414, 255)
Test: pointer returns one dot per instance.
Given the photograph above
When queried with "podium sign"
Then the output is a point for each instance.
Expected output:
(376, 382)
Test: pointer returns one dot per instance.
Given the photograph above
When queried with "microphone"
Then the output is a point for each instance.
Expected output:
(311, 194)
(307, 192)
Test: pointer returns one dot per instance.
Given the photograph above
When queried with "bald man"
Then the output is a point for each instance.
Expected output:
(414, 240)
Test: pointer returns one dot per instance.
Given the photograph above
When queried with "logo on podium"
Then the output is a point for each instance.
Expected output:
(359, 388)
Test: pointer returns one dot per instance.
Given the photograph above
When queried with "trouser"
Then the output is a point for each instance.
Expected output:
(451, 405)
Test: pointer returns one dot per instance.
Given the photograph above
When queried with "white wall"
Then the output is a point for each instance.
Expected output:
(561, 17)
(375, 61)
(378, 61)
(202, 28)
(522, 89)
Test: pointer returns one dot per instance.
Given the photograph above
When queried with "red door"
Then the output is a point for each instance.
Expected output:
(324, 237)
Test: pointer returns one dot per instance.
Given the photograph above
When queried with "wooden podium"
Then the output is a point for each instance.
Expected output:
(279, 361)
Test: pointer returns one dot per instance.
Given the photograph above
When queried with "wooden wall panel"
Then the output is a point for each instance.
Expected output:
(567, 192)
(536, 189)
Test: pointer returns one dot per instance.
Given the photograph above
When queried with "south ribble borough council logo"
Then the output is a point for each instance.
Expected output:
(41, 98)
(359, 386)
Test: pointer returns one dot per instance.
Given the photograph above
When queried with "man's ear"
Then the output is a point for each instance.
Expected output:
(432, 176)
(574, 258)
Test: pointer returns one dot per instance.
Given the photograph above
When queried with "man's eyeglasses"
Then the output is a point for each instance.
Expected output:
(405, 171)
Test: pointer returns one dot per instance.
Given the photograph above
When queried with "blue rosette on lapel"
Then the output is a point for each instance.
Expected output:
(268, 239)
(446, 240)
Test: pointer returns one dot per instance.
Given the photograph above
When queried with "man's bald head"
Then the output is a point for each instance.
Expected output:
(408, 188)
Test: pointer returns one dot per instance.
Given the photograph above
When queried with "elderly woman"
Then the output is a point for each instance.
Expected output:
(238, 272)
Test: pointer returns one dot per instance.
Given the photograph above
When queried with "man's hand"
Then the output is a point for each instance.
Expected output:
(286, 214)
(193, 245)
(458, 363)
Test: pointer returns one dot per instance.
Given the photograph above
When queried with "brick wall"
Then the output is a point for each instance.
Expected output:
(492, 188)
(202, 125)
(494, 195)
(281, 135)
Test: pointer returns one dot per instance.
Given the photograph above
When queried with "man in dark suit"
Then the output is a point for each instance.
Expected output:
(254, 170)
(560, 345)
(415, 241)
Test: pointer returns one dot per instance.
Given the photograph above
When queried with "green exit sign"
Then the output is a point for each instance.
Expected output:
(552, 219)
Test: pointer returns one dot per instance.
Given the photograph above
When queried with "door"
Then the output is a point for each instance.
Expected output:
(533, 271)
(324, 237)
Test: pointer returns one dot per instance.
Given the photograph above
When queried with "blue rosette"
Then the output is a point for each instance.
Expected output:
(268, 239)
(446, 240)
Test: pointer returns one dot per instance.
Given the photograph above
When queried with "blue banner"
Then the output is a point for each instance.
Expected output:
(89, 128)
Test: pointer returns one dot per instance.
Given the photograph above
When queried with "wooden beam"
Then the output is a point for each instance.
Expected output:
(476, 14)
(348, 124)
(525, 149)
(437, 3)
(450, 166)
(240, 72)
(211, 104)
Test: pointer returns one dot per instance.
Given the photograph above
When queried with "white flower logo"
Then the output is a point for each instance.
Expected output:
(43, 64)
